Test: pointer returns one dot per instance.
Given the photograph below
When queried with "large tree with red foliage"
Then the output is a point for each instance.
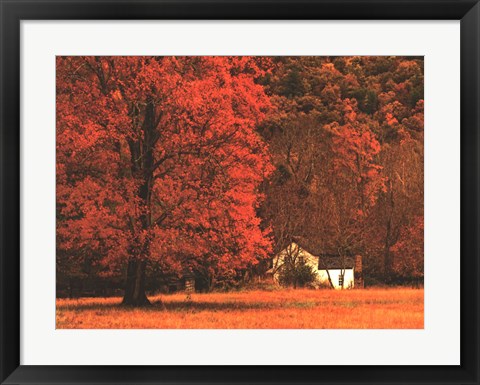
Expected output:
(158, 160)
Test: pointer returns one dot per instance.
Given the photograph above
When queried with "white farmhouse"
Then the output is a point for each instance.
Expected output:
(332, 270)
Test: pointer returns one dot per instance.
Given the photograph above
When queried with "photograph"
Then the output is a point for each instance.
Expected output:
(239, 192)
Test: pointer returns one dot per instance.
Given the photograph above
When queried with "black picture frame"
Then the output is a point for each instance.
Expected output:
(12, 12)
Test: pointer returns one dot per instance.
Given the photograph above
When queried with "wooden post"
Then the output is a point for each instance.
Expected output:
(189, 284)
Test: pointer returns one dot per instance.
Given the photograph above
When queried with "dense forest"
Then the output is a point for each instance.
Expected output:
(211, 165)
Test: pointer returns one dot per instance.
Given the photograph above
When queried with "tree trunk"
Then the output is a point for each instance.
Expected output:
(141, 153)
(330, 280)
(387, 260)
(135, 286)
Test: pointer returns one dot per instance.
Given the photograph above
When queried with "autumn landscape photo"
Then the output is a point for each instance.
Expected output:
(234, 192)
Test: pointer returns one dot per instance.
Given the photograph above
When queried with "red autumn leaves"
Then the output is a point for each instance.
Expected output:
(158, 160)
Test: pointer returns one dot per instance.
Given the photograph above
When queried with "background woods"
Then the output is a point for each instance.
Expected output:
(347, 143)
(208, 166)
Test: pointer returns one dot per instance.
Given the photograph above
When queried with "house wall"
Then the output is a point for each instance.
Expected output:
(348, 279)
(293, 249)
(312, 261)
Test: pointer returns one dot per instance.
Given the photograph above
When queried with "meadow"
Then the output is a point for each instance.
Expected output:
(375, 308)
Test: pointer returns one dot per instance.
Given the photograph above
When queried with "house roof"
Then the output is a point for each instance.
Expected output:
(316, 248)
(327, 262)
(327, 258)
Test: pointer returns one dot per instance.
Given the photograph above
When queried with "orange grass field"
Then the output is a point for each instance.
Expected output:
(376, 308)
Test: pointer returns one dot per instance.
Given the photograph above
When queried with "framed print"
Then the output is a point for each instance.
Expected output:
(235, 192)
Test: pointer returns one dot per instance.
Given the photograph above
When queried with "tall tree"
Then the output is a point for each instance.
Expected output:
(158, 160)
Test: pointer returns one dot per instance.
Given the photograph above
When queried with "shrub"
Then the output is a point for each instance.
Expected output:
(297, 274)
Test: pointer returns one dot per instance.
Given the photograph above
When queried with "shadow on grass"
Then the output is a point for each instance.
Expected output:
(198, 306)
(189, 306)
